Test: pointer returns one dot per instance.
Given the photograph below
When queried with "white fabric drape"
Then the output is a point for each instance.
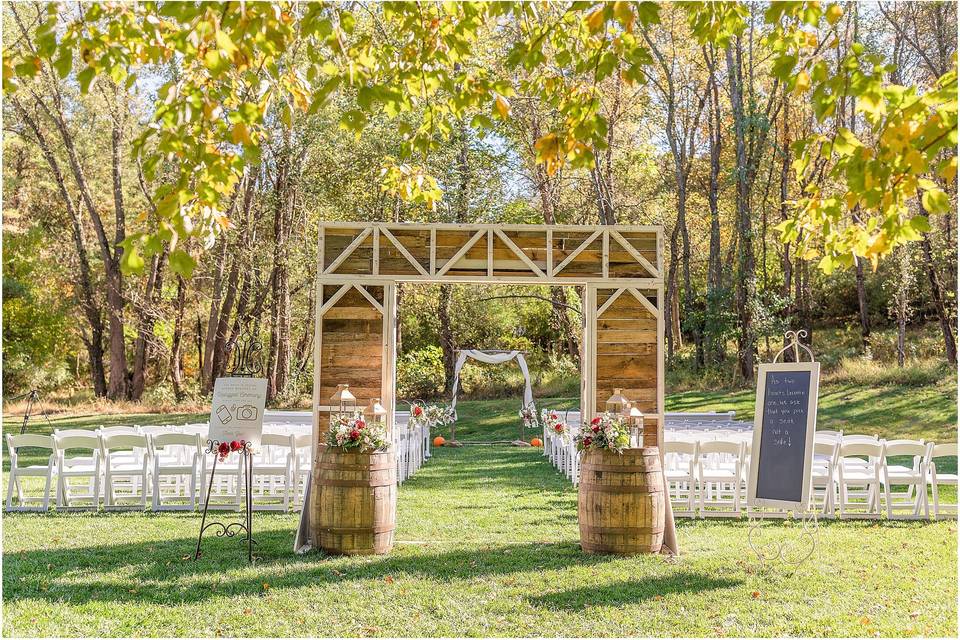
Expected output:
(491, 358)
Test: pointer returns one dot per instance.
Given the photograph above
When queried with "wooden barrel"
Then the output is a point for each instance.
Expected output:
(620, 502)
(354, 504)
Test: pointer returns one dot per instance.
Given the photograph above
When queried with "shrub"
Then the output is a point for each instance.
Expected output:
(420, 373)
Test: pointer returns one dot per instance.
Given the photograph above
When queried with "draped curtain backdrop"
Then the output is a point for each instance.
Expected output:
(491, 357)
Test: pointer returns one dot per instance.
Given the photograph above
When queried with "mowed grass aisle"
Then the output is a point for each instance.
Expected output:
(487, 545)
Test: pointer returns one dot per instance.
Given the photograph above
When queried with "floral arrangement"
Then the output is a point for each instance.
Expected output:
(528, 415)
(555, 424)
(606, 431)
(225, 448)
(354, 433)
(434, 415)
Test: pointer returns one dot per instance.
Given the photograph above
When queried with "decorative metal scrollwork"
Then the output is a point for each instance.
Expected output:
(792, 551)
(792, 343)
(247, 360)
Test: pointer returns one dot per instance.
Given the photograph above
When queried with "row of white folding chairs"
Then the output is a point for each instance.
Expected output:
(165, 464)
(851, 474)
(411, 445)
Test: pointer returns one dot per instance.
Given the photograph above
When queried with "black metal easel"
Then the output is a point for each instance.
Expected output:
(33, 397)
(246, 364)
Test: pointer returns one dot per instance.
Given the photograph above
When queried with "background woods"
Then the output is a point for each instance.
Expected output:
(702, 140)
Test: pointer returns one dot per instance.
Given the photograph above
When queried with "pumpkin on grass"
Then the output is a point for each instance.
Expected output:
(536, 442)
(438, 441)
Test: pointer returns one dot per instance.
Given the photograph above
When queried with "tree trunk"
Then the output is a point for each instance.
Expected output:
(671, 322)
(447, 343)
(87, 299)
(278, 369)
(557, 294)
(862, 304)
(746, 272)
(176, 358)
(936, 292)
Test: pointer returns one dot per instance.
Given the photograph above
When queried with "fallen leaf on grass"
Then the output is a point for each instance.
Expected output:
(388, 579)
(248, 611)
(755, 595)
(864, 620)
(336, 573)
(914, 615)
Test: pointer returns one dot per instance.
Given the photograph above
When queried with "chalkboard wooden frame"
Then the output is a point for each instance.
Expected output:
(753, 500)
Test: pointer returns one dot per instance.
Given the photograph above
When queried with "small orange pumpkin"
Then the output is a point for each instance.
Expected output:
(536, 442)
(438, 441)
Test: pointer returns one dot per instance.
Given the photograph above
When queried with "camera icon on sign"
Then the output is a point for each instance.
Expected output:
(246, 412)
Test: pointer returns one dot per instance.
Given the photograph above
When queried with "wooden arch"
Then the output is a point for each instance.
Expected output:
(621, 267)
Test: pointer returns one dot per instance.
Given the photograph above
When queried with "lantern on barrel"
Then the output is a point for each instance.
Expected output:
(617, 404)
(344, 401)
(375, 415)
(635, 422)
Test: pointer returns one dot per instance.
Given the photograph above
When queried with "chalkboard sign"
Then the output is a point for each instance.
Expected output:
(785, 419)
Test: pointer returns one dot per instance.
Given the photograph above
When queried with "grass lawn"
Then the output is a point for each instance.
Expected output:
(487, 544)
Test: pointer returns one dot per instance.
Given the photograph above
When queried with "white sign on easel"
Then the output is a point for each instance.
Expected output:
(237, 410)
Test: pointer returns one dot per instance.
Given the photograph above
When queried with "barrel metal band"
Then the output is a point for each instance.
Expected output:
(588, 530)
(607, 488)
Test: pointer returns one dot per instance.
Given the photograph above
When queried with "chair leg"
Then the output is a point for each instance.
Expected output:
(46, 489)
(11, 481)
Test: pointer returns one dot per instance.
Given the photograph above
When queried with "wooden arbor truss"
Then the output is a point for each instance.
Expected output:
(620, 267)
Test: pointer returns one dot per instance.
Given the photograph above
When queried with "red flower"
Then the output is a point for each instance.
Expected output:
(595, 420)
(553, 416)
(587, 441)
(558, 428)
(224, 448)
(361, 424)
(417, 411)
(595, 428)
(354, 434)
(234, 446)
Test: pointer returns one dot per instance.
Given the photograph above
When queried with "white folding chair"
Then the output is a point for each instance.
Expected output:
(302, 448)
(681, 473)
(177, 462)
(822, 476)
(45, 471)
(126, 470)
(914, 478)
(940, 477)
(859, 477)
(272, 468)
(84, 467)
(720, 475)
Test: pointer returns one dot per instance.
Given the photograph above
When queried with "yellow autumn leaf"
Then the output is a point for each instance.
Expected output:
(549, 152)
(595, 20)
(239, 134)
(834, 13)
(502, 106)
(803, 83)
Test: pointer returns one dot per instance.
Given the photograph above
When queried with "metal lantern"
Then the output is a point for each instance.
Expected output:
(617, 404)
(635, 421)
(375, 414)
(344, 401)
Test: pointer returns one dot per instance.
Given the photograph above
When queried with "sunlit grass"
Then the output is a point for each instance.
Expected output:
(486, 545)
